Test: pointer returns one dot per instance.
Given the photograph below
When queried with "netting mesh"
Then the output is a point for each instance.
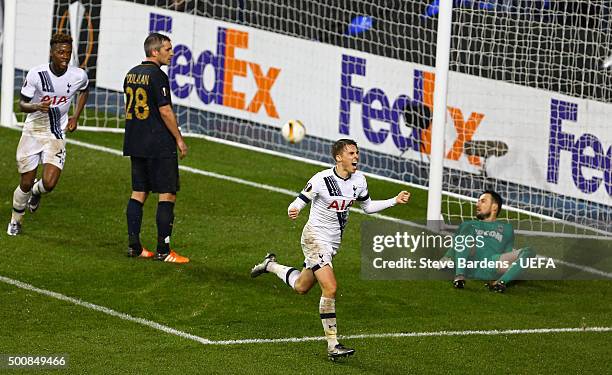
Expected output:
(557, 46)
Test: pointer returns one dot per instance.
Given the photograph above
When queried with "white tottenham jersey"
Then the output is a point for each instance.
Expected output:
(42, 85)
(332, 197)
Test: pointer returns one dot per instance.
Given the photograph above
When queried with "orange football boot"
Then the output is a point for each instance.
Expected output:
(172, 257)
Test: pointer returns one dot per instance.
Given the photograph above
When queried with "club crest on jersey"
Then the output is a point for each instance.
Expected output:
(308, 187)
(354, 191)
(69, 86)
(340, 205)
(55, 100)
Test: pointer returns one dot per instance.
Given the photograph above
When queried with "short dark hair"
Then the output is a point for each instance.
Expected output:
(60, 38)
(154, 42)
(339, 146)
(496, 199)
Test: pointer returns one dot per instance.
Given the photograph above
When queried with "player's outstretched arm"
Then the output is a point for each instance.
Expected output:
(73, 121)
(369, 206)
(169, 118)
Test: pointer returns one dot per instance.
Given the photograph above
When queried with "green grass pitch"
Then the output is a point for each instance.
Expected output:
(76, 245)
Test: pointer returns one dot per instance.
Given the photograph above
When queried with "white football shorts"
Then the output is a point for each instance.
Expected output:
(33, 151)
(317, 253)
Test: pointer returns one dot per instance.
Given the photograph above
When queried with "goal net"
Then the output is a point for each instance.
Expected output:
(527, 96)
(539, 114)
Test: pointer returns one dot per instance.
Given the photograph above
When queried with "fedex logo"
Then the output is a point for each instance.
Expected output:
(587, 151)
(227, 70)
(376, 105)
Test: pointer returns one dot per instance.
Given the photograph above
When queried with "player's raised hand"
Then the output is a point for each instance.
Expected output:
(44, 106)
(182, 146)
(293, 213)
(72, 124)
(402, 197)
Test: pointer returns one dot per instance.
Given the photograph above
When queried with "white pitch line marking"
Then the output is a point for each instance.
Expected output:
(242, 182)
(294, 194)
(204, 341)
(104, 310)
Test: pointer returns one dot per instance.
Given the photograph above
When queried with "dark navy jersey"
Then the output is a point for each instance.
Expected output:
(147, 88)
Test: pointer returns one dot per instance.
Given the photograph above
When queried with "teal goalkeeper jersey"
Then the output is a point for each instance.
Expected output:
(494, 238)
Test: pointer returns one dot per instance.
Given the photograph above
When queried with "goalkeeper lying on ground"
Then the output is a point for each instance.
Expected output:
(492, 257)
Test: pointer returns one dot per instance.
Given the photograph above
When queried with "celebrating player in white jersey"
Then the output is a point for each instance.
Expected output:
(332, 193)
(46, 96)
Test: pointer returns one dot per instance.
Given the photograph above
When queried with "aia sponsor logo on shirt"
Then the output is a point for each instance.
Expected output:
(341, 205)
(55, 100)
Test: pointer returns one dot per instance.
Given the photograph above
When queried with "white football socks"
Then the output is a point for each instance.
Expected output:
(20, 200)
(288, 274)
(39, 188)
(327, 306)
(327, 311)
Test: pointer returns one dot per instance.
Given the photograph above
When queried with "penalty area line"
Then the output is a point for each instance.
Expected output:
(293, 194)
(493, 332)
(105, 310)
(204, 341)
(241, 181)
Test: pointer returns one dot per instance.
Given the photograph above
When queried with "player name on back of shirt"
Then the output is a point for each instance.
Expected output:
(137, 79)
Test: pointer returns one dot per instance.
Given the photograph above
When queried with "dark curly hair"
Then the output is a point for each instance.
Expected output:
(60, 38)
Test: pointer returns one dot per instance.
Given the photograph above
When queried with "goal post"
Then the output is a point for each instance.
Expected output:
(8, 62)
(527, 98)
(436, 166)
(538, 124)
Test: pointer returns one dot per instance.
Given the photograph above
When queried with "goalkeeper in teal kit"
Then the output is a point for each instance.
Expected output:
(483, 248)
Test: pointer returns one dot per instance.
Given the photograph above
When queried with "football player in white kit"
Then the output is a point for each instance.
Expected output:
(46, 96)
(332, 193)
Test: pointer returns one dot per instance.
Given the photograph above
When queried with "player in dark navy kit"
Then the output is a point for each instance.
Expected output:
(151, 140)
